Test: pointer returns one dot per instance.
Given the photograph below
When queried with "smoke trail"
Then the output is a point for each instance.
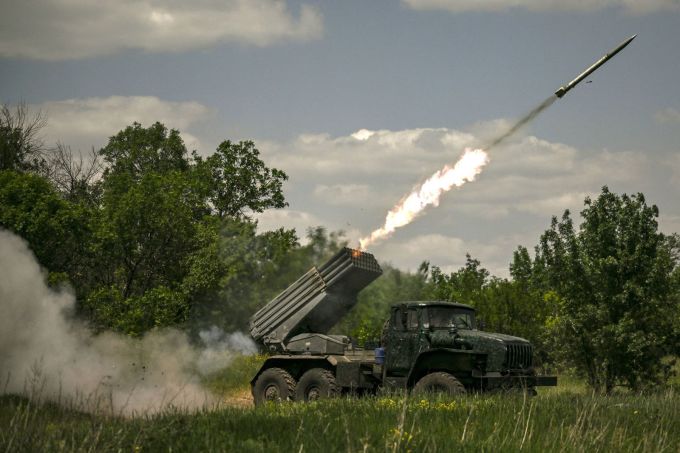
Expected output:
(522, 122)
(46, 354)
(427, 194)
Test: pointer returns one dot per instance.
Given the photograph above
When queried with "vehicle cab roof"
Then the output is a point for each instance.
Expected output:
(432, 303)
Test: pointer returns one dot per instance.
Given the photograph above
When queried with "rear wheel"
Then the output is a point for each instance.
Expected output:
(439, 382)
(274, 384)
(315, 384)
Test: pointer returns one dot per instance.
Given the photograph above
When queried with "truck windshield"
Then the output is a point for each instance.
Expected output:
(446, 317)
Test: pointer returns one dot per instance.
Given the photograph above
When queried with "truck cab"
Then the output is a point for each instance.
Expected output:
(421, 338)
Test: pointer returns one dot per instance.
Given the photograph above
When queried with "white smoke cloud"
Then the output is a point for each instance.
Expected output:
(220, 347)
(631, 6)
(48, 354)
(68, 29)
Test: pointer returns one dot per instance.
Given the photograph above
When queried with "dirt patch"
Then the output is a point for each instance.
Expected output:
(239, 398)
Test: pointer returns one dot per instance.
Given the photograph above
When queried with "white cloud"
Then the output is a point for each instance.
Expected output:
(456, 6)
(369, 153)
(274, 219)
(342, 194)
(84, 123)
(378, 169)
(68, 29)
(669, 223)
(669, 115)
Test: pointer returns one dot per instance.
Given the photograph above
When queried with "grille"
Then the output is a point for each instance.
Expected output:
(518, 356)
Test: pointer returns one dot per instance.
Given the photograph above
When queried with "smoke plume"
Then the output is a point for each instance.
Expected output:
(428, 193)
(46, 353)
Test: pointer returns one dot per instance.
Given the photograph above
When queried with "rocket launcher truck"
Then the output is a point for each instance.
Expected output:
(429, 346)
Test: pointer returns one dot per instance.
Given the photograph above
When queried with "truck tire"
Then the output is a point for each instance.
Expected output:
(439, 382)
(274, 384)
(315, 384)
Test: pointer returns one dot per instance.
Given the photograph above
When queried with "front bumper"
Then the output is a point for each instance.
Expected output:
(496, 380)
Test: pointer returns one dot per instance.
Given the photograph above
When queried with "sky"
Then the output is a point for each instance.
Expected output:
(360, 101)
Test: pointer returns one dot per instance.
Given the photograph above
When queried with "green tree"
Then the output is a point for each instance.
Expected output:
(171, 233)
(56, 230)
(464, 286)
(613, 283)
(239, 182)
(137, 151)
(235, 272)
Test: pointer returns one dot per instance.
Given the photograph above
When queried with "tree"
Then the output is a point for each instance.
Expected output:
(137, 151)
(172, 236)
(75, 176)
(464, 286)
(613, 282)
(236, 272)
(150, 212)
(56, 230)
(21, 148)
(238, 181)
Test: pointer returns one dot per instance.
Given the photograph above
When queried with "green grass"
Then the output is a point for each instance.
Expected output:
(567, 418)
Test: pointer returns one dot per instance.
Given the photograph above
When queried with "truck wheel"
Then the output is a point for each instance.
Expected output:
(274, 384)
(439, 382)
(315, 384)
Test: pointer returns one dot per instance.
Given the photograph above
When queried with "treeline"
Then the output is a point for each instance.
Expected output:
(149, 235)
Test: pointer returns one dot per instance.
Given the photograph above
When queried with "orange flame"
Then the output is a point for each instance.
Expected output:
(466, 169)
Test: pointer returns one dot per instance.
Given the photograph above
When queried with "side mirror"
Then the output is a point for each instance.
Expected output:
(481, 325)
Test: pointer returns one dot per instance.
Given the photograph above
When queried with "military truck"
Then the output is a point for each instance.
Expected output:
(425, 346)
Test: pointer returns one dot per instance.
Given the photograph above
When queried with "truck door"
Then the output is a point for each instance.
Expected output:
(403, 343)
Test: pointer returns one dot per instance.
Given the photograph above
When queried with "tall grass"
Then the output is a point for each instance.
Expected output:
(567, 418)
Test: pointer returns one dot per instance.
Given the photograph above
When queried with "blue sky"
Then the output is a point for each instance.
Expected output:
(434, 76)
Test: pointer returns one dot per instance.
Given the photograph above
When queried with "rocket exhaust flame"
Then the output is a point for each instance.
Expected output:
(429, 192)
(465, 170)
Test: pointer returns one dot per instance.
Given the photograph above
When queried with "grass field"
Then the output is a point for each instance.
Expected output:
(566, 418)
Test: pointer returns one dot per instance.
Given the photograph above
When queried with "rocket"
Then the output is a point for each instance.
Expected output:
(564, 89)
